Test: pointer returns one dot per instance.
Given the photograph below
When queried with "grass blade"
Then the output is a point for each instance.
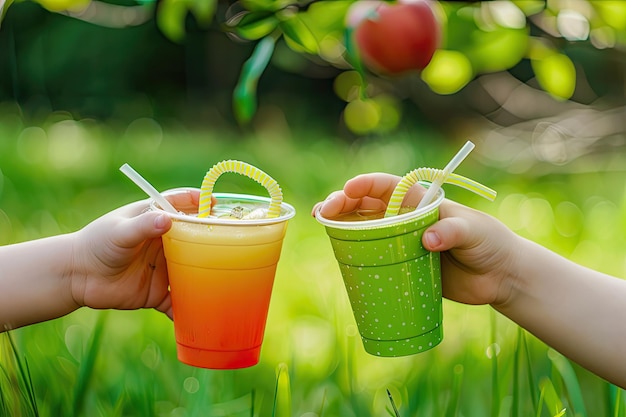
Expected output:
(455, 400)
(516, 373)
(25, 383)
(616, 394)
(87, 365)
(565, 369)
(5, 400)
(252, 395)
(321, 412)
(550, 398)
(530, 373)
(282, 394)
(31, 388)
(393, 405)
(495, 385)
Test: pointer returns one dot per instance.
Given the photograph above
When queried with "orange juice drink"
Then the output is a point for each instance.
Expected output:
(221, 271)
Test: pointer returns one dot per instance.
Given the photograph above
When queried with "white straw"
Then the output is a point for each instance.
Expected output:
(148, 188)
(452, 165)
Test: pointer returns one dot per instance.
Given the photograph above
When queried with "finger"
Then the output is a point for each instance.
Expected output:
(371, 204)
(133, 209)
(166, 306)
(452, 232)
(135, 230)
(413, 196)
(187, 200)
(336, 203)
(380, 186)
(446, 234)
(376, 185)
(366, 191)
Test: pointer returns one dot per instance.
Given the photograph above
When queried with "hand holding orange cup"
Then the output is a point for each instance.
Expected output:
(221, 262)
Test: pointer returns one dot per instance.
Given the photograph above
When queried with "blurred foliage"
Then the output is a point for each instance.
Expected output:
(57, 173)
(88, 85)
(310, 38)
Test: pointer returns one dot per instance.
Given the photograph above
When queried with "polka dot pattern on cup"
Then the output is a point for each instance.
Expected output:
(396, 301)
(394, 285)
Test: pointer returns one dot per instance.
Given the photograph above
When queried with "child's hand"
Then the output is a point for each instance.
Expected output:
(477, 250)
(478, 255)
(484, 262)
(366, 192)
(118, 260)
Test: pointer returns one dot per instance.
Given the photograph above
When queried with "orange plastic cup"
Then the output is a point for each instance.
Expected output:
(221, 274)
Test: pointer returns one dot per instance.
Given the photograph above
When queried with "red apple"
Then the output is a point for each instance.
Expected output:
(393, 38)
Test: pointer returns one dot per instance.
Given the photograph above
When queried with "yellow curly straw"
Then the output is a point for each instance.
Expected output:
(430, 175)
(206, 190)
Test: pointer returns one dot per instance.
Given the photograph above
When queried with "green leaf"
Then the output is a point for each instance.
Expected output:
(255, 25)
(203, 10)
(326, 18)
(556, 74)
(171, 16)
(493, 47)
(530, 7)
(266, 5)
(612, 12)
(298, 34)
(244, 95)
(353, 57)
(447, 72)
(4, 5)
(497, 50)
(459, 24)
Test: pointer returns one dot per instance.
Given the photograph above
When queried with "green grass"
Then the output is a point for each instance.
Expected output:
(56, 175)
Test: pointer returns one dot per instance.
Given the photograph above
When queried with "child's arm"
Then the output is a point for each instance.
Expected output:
(35, 282)
(578, 311)
(114, 262)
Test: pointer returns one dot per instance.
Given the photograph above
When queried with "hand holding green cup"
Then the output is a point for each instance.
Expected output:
(394, 283)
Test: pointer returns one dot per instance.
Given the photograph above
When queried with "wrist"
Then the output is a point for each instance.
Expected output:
(67, 270)
(533, 280)
(514, 273)
(77, 272)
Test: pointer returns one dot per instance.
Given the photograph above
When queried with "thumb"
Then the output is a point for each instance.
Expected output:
(448, 233)
(149, 225)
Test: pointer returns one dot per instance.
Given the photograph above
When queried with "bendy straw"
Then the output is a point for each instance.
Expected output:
(433, 176)
(147, 188)
(206, 190)
(443, 176)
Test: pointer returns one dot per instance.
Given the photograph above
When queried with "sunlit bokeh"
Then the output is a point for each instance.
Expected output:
(88, 85)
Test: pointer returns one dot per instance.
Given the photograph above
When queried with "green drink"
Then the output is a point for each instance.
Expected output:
(392, 281)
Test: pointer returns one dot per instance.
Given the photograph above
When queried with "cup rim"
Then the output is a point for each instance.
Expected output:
(385, 221)
(287, 210)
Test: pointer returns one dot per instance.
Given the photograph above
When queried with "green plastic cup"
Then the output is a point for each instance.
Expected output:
(392, 281)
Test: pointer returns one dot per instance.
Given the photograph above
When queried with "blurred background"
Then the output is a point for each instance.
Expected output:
(172, 87)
